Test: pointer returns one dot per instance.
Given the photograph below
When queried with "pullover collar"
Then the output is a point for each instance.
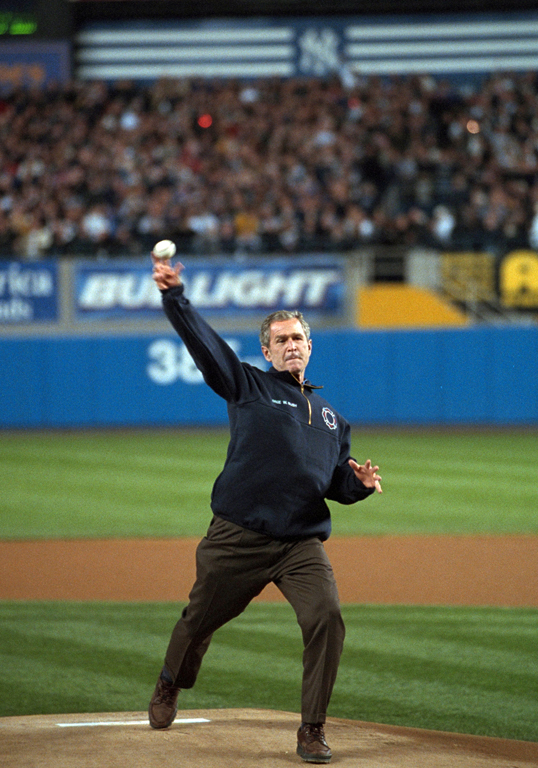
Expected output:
(290, 379)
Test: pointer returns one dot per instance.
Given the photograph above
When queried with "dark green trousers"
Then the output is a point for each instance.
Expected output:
(233, 565)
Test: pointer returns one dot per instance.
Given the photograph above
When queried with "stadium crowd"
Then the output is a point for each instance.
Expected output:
(269, 166)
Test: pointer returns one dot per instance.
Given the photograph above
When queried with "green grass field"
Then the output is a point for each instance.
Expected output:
(465, 670)
(158, 483)
(469, 670)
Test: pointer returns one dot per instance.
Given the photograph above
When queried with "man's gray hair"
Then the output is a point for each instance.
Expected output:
(277, 317)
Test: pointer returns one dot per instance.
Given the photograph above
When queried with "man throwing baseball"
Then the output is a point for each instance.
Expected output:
(289, 451)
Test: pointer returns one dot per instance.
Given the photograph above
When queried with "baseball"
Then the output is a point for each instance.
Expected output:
(164, 249)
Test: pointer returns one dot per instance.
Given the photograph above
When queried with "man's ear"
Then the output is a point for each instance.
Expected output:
(266, 354)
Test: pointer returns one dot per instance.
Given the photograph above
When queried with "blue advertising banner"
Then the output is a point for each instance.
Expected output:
(217, 287)
(34, 64)
(28, 292)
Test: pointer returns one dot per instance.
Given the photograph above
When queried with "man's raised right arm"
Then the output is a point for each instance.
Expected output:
(221, 368)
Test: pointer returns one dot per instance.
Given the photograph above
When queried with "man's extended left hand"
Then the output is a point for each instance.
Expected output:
(367, 474)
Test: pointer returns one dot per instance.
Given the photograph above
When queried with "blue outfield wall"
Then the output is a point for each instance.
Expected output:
(483, 375)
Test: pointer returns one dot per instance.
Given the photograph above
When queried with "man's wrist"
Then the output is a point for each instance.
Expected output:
(171, 289)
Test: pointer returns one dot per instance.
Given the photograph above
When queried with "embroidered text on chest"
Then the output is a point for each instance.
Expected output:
(284, 402)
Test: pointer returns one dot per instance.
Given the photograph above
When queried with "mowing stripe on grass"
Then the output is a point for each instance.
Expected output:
(158, 482)
(467, 670)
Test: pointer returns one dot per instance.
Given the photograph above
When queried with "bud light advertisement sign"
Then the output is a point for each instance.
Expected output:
(217, 288)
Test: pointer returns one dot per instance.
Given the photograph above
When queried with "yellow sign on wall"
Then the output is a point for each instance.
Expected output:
(468, 276)
(518, 279)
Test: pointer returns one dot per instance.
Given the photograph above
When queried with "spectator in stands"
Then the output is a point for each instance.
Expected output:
(283, 166)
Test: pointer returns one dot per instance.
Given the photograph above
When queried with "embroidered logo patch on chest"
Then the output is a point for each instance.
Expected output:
(329, 418)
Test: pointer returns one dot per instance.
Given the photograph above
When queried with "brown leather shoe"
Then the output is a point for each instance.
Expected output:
(163, 704)
(311, 744)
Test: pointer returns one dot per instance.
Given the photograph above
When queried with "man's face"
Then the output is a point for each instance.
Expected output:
(289, 349)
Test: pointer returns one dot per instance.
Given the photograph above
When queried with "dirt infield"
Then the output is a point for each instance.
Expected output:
(425, 570)
(244, 738)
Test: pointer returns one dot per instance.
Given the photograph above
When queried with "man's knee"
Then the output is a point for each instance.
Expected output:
(322, 615)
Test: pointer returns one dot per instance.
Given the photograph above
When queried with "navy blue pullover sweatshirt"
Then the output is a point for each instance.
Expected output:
(288, 449)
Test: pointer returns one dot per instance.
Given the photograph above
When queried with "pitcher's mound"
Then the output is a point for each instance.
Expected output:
(242, 738)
